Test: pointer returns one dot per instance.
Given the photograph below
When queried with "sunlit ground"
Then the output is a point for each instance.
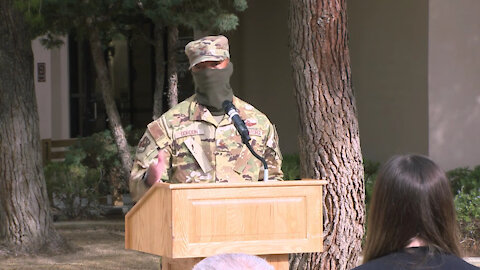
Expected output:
(99, 245)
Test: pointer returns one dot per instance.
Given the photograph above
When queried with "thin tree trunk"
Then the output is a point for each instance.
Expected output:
(26, 226)
(110, 106)
(329, 135)
(159, 71)
(172, 66)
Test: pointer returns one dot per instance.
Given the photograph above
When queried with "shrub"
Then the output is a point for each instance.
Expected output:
(101, 152)
(73, 188)
(464, 180)
(466, 187)
(291, 167)
(91, 169)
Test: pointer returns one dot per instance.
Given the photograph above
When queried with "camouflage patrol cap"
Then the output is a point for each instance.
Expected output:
(210, 48)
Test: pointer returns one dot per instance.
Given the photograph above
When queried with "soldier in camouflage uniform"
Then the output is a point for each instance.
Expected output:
(195, 141)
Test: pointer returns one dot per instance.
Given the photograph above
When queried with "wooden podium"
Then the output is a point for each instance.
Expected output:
(185, 223)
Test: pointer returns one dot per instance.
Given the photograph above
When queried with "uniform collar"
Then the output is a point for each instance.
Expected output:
(198, 112)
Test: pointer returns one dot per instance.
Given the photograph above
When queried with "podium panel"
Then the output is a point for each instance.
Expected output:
(199, 220)
(246, 219)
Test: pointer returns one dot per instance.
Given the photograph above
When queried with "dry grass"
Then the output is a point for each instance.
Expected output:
(98, 245)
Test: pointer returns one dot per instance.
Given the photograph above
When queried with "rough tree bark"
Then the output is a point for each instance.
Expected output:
(172, 66)
(159, 71)
(26, 226)
(110, 106)
(329, 135)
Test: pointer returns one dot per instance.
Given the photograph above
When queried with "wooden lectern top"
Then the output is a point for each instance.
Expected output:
(199, 220)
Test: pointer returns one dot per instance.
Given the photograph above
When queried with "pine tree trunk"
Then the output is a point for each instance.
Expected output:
(329, 135)
(110, 106)
(159, 71)
(26, 226)
(172, 66)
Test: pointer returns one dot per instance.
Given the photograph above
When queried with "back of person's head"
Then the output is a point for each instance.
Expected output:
(233, 261)
(411, 198)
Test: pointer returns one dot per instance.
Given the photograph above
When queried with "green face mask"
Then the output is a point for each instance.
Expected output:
(212, 87)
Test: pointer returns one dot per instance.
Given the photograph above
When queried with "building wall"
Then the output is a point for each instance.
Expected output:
(52, 95)
(262, 70)
(454, 82)
(415, 73)
(43, 89)
(388, 48)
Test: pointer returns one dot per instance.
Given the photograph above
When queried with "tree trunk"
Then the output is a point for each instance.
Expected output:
(110, 106)
(329, 135)
(172, 66)
(159, 71)
(26, 226)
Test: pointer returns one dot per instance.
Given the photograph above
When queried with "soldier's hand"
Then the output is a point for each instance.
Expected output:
(156, 169)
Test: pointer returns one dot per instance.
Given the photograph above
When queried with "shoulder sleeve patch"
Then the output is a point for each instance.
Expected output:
(155, 130)
(158, 134)
(143, 144)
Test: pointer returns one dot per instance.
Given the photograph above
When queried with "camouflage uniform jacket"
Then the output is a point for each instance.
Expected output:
(199, 150)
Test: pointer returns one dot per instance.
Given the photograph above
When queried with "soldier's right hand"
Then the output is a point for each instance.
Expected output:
(156, 169)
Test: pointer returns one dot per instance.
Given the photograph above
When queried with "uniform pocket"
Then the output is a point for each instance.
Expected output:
(247, 165)
(197, 151)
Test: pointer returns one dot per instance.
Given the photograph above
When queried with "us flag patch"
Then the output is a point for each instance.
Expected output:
(255, 132)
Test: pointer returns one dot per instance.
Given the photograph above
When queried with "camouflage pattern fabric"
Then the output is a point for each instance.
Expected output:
(211, 48)
(199, 150)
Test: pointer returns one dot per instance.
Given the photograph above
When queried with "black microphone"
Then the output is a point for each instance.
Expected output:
(242, 129)
(231, 111)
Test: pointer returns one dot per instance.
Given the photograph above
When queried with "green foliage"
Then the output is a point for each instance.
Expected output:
(73, 186)
(206, 15)
(371, 171)
(133, 137)
(291, 167)
(466, 187)
(468, 206)
(464, 180)
(33, 16)
(55, 18)
(226, 22)
(240, 5)
(101, 152)
(468, 216)
(91, 169)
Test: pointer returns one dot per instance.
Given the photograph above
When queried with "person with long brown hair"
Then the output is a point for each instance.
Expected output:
(412, 221)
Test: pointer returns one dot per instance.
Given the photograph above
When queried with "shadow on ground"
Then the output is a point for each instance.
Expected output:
(98, 245)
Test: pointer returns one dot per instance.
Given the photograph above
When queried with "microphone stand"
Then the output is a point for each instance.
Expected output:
(231, 111)
(265, 166)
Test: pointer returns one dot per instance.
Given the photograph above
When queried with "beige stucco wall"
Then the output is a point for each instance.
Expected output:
(454, 82)
(43, 89)
(388, 48)
(53, 94)
(262, 72)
